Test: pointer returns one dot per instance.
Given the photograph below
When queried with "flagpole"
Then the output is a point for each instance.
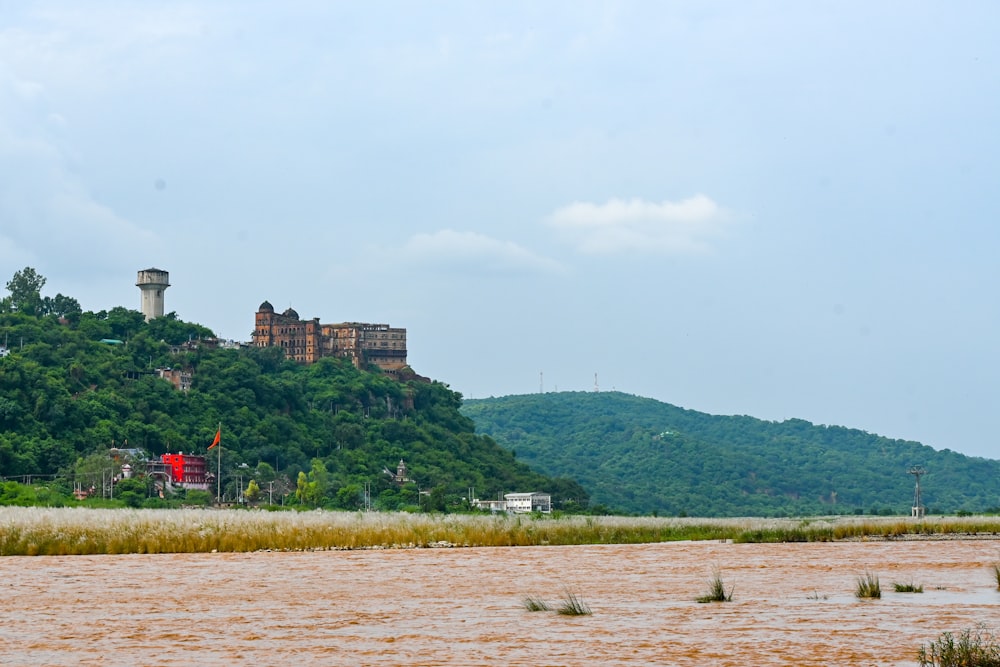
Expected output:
(218, 493)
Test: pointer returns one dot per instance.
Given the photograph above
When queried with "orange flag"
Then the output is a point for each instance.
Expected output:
(218, 437)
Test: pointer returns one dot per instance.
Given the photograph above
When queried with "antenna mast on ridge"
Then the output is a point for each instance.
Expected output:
(597, 387)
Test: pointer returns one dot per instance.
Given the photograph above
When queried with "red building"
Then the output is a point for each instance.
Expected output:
(188, 470)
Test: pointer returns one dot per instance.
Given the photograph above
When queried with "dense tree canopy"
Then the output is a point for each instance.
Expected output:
(72, 388)
(26, 291)
(25, 297)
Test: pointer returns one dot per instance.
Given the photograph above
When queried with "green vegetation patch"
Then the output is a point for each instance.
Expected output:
(716, 589)
(573, 605)
(975, 647)
(868, 587)
(641, 456)
(907, 587)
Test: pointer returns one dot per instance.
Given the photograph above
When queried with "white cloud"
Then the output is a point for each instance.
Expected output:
(449, 249)
(635, 225)
(46, 209)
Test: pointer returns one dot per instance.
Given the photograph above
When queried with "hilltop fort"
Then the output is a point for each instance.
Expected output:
(306, 341)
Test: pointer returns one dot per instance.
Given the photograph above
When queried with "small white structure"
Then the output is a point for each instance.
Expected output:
(152, 282)
(523, 503)
(490, 505)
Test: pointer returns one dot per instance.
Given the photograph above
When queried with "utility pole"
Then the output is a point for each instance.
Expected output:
(918, 510)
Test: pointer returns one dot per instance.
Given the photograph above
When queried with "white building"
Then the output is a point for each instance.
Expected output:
(523, 503)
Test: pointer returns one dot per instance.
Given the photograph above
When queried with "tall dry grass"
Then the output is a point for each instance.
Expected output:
(67, 531)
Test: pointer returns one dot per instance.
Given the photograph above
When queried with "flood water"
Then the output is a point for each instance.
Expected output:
(793, 604)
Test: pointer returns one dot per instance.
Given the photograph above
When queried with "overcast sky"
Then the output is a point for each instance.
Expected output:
(778, 209)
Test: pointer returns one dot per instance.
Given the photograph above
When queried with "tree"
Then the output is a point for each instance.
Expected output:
(265, 473)
(302, 487)
(62, 306)
(96, 472)
(124, 322)
(311, 488)
(349, 496)
(252, 492)
(319, 482)
(26, 291)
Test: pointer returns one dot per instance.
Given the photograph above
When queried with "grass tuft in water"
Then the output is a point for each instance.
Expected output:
(908, 588)
(972, 648)
(717, 589)
(535, 604)
(868, 586)
(573, 606)
(996, 574)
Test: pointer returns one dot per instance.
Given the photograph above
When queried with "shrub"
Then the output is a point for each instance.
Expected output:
(868, 586)
(573, 606)
(198, 497)
(716, 590)
(972, 648)
(535, 604)
(131, 498)
(907, 588)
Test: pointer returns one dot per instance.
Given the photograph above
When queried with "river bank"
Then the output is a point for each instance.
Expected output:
(35, 531)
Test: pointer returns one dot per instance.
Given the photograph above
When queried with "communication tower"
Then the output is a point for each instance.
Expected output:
(918, 510)
(152, 283)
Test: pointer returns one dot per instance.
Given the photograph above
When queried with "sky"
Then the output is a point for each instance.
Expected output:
(775, 209)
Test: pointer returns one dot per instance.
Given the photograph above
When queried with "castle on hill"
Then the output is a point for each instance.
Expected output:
(307, 341)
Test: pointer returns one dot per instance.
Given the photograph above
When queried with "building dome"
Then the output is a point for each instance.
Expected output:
(291, 313)
(266, 307)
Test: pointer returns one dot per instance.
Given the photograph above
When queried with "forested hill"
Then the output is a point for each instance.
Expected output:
(75, 384)
(643, 456)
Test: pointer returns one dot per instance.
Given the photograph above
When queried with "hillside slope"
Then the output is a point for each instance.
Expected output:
(72, 389)
(640, 455)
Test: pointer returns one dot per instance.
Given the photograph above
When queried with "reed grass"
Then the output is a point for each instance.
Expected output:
(996, 574)
(868, 586)
(907, 587)
(716, 589)
(972, 648)
(572, 605)
(79, 530)
(535, 604)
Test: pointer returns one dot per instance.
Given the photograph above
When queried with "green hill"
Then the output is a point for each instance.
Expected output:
(639, 455)
(75, 384)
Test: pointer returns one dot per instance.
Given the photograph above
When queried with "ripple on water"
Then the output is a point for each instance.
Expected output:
(792, 604)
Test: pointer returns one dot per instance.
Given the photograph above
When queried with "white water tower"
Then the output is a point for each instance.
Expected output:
(152, 282)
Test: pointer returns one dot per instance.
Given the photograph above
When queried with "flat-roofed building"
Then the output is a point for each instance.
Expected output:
(522, 503)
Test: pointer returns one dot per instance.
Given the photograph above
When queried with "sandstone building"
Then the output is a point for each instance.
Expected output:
(306, 341)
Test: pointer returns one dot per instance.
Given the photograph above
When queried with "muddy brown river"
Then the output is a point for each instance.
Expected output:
(793, 604)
